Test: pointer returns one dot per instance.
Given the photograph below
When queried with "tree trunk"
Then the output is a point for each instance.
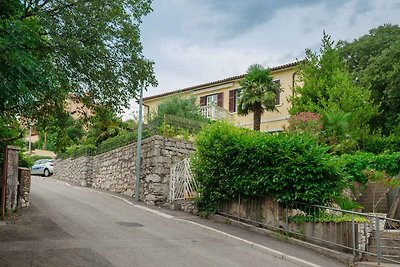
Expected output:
(257, 118)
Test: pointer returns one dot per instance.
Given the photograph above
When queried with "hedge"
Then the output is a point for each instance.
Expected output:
(287, 167)
(352, 165)
(107, 145)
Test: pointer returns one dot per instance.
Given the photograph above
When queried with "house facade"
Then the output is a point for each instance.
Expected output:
(218, 100)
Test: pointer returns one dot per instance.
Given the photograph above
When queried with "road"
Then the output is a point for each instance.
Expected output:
(74, 226)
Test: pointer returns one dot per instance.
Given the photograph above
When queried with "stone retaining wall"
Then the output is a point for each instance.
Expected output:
(24, 178)
(77, 170)
(115, 170)
(268, 212)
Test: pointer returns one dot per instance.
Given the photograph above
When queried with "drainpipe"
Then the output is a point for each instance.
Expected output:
(30, 139)
(293, 79)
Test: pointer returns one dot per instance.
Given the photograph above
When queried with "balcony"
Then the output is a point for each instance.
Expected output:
(214, 112)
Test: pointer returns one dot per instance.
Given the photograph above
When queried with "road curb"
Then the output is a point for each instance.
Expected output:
(270, 251)
(339, 256)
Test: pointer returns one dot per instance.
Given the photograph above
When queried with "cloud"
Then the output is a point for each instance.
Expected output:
(200, 41)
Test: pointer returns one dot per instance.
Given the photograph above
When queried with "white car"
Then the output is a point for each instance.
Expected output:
(42, 167)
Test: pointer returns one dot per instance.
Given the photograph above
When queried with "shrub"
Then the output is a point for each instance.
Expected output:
(24, 161)
(380, 144)
(353, 165)
(346, 203)
(306, 122)
(287, 167)
(122, 140)
(177, 114)
(326, 217)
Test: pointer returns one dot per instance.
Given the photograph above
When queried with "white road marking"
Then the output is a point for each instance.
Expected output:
(61, 182)
(162, 214)
(270, 251)
(110, 195)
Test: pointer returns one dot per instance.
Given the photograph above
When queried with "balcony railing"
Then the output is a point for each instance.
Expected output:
(215, 112)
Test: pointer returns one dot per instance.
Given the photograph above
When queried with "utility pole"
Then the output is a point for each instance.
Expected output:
(139, 147)
(30, 139)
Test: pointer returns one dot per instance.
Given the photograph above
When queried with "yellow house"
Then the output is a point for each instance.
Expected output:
(218, 100)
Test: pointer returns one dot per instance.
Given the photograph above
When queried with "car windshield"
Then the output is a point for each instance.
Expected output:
(43, 161)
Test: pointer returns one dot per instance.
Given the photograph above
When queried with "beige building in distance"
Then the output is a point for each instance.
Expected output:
(218, 100)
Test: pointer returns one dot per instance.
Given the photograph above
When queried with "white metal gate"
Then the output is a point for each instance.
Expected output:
(182, 184)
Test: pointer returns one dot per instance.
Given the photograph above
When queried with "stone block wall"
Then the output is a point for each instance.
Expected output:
(115, 170)
(77, 170)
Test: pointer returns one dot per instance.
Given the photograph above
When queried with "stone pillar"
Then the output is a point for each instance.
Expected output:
(12, 178)
(24, 177)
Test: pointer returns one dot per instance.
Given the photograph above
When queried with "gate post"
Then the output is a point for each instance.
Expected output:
(9, 184)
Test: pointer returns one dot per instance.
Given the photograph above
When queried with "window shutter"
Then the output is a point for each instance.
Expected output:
(232, 100)
(202, 101)
(220, 99)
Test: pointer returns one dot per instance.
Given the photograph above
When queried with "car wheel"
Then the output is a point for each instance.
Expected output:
(46, 172)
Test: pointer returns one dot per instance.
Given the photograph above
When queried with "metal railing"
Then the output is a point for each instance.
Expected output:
(362, 234)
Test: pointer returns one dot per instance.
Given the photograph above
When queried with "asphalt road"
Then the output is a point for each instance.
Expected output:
(74, 226)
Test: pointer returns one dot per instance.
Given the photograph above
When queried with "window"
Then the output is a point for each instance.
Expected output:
(211, 100)
(238, 92)
(278, 94)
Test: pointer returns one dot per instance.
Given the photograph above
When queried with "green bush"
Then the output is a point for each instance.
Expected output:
(353, 165)
(177, 114)
(346, 203)
(326, 217)
(34, 158)
(25, 161)
(380, 144)
(107, 145)
(121, 140)
(287, 167)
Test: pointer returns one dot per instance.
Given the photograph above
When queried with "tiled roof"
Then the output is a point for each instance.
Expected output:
(229, 79)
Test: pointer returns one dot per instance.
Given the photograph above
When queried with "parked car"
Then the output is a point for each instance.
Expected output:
(42, 167)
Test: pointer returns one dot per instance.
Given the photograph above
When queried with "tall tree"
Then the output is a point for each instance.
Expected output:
(258, 93)
(374, 59)
(329, 87)
(90, 48)
(96, 46)
(50, 49)
(26, 73)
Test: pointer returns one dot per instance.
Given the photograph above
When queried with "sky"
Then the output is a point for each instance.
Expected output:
(199, 41)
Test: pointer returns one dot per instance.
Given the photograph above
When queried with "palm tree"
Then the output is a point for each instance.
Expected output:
(258, 93)
(336, 125)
